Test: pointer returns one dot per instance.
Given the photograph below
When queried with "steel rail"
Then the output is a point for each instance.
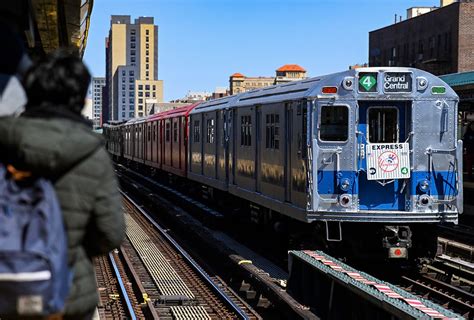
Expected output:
(122, 288)
(189, 259)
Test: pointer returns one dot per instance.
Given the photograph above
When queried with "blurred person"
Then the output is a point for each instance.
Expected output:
(13, 63)
(468, 141)
(51, 139)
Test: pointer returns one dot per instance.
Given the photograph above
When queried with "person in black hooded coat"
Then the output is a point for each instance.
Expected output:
(53, 140)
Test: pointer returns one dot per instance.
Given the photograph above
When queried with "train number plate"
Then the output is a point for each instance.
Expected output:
(386, 161)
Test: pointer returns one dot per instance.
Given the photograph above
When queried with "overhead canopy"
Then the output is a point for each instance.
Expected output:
(49, 24)
(463, 84)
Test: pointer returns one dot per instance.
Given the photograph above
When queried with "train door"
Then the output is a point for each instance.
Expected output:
(383, 155)
(334, 154)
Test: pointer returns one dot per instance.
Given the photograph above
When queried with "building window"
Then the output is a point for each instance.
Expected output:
(140, 87)
(196, 131)
(123, 114)
(132, 38)
(147, 74)
(154, 87)
(131, 73)
(131, 87)
(140, 114)
(123, 73)
(154, 94)
(147, 46)
(147, 32)
(272, 126)
(334, 123)
(132, 31)
(147, 94)
(131, 100)
(147, 87)
(246, 131)
(168, 131)
(132, 45)
(131, 94)
(147, 39)
(147, 52)
(175, 131)
(147, 66)
(131, 79)
(147, 60)
(123, 93)
(210, 131)
(140, 93)
(132, 52)
(140, 100)
(123, 87)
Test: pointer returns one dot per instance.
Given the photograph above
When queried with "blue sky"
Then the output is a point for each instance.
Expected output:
(202, 42)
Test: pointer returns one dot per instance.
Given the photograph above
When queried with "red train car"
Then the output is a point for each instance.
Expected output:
(160, 140)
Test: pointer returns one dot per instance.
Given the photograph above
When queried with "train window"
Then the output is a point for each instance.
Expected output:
(272, 125)
(196, 131)
(383, 124)
(149, 133)
(175, 131)
(246, 131)
(210, 131)
(168, 131)
(334, 123)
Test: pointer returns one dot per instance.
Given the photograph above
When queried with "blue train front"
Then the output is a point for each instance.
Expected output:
(385, 151)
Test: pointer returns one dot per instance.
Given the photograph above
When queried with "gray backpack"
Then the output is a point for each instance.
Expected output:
(34, 274)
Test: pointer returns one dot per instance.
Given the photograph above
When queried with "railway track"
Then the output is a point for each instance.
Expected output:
(178, 286)
(259, 282)
(116, 300)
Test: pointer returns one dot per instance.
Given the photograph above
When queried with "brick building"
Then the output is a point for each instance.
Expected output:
(289, 72)
(439, 40)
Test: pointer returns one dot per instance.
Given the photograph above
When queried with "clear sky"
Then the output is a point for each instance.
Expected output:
(202, 42)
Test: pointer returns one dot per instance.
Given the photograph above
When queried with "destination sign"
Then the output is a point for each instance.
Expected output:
(368, 82)
(397, 82)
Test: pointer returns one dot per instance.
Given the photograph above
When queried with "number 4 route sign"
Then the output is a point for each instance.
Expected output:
(368, 82)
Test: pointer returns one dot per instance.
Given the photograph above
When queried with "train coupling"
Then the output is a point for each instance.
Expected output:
(397, 239)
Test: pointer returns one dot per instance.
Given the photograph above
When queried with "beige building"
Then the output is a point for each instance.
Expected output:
(132, 67)
(289, 72)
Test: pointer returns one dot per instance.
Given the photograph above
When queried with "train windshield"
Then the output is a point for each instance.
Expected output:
(383, 124)
(334, 123)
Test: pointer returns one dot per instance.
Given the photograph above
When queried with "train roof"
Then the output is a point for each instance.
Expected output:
(181, 111)
(311, 88)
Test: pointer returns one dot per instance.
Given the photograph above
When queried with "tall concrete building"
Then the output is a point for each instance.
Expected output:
(96, 94)
(439, 40)
(132, 67)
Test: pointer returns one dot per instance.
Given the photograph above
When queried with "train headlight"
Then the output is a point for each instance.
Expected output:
(345, 184)
(348, 83)
(421, 83)
(424, 200)
(345, 200)
(424, 185)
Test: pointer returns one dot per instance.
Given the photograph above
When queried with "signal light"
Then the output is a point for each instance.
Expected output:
(329, 90)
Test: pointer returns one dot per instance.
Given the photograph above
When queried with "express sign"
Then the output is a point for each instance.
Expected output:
(397, 82)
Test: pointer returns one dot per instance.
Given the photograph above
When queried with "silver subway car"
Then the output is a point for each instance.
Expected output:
(372, 145)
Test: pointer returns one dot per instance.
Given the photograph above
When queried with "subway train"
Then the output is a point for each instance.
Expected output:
(365, 161)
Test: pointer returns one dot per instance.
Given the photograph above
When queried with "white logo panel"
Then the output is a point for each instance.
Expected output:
(386, 161)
